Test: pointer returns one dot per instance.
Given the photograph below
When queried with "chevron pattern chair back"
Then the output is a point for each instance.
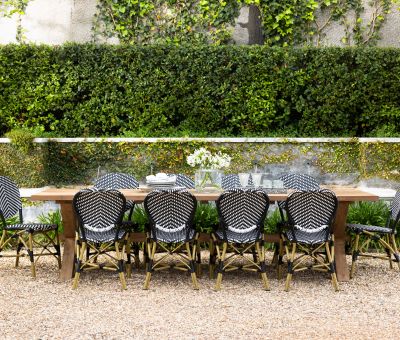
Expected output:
(99, 210)
(184, 181)
(311, 211)
(116, 180)
(170, 210)
(243, 210)
(299, 182)
(10, 199)
(395, 208)
(230, 182)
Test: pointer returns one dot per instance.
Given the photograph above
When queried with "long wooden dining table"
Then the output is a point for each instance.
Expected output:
(64, 197)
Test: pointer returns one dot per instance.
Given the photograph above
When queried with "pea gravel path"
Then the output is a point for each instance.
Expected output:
(368, 307)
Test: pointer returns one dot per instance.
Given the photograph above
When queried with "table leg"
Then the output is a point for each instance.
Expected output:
(68, 217)
(339, 230)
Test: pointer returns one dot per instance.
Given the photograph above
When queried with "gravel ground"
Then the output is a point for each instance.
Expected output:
(368, 307)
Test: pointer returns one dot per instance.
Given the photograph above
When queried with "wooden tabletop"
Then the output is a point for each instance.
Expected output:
(346, 194)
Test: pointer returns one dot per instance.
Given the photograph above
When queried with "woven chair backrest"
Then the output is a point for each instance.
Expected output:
(395, 208)
(184, 181)
(116, 180)
(170, 210)
(10, 199)
(230, 182)
(99, 210)
(299, 182)
(242, 210)
(311, 211)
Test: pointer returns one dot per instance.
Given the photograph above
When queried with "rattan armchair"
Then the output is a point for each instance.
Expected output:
(385, 236)
(30, 236)
(242, 213)
(171, 214)
(310, 218)
(99, 213)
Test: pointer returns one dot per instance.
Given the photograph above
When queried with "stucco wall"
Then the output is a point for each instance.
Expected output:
(59, 21)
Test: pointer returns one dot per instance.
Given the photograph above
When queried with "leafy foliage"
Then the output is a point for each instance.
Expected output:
(370, 213)
(100, 90)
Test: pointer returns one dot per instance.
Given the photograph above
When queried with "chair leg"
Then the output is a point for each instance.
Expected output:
(389, 251)
(151, 248)
(128, 260)
(198, 260)
(78, 268)
(221, 266)
(290, 260)
(280, 258)
(211, 266)
(329, 254)
(354, 255)
(19, 247)
(30, 252)
(192, 255)
(119, 255)
(58, 249)
(261, 256)
(396, 251)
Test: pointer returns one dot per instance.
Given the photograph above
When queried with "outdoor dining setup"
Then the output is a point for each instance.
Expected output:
(98, 223)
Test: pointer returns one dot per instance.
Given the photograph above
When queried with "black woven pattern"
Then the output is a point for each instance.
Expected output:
(371, 228)
(299, 182)
(395, 208)
(31, 227)
(10, 200)
(230, 182)
(184, 181)
(308, 238)
(242, 211)
(116, 180)
(233, 237)
(99, 211)
(171, 212)
(311, 212)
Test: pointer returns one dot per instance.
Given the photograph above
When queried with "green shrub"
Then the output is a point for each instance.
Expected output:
(21, 139)
(101, 90)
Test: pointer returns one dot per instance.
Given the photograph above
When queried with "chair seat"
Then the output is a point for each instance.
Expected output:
(235, 237)
(172, 237)
(103, 236)
(374, 229)
(307, 238)
(31, 227)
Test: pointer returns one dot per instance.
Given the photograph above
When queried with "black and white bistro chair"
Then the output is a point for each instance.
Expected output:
(24, 235)
(99, 213)
(184, 181)
(117, 181)
(310, 218)
(291, 181)
(242, 213)
(385, 236)
(171, 213)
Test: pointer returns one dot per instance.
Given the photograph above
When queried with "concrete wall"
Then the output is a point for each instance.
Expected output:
(59, 21)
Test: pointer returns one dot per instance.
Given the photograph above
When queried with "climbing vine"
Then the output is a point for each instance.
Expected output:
(9, 8)
(284, 22)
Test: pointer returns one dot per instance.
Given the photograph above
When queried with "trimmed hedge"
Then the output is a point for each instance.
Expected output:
(102, 90)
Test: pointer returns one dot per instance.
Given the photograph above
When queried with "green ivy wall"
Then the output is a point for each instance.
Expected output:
(63, 162)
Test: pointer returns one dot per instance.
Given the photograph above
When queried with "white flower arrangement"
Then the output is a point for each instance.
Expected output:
(205, 159)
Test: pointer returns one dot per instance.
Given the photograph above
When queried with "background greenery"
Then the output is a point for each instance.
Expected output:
(89, 90)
